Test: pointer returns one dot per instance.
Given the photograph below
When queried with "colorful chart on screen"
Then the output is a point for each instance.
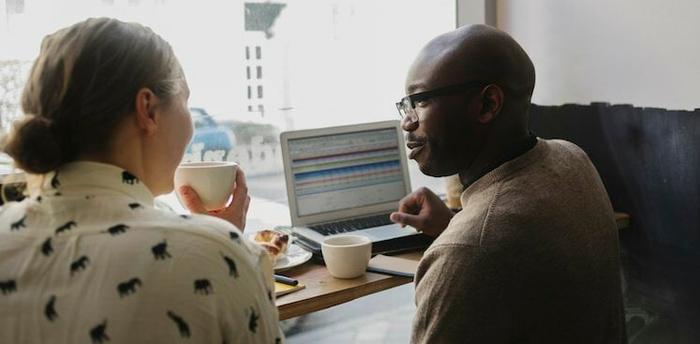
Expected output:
(346, 170)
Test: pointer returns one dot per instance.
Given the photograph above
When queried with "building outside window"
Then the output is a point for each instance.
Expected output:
(14, 6)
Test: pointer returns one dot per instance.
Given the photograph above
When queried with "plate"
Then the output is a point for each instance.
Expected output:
(295, 256)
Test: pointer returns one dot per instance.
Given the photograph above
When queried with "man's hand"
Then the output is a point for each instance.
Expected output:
(234, 213)
(424, 211)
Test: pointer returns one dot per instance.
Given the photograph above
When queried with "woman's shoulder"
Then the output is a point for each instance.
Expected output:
(204, 225)
(207, 230)
(13, 216)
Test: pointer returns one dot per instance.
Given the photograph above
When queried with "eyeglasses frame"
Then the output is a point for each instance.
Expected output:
(412, 99)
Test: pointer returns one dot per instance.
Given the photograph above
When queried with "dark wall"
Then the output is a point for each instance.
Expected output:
(649, 160)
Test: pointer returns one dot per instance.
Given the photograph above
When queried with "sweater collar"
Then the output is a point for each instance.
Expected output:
(510, 154)
(89, 178)
(504, 170)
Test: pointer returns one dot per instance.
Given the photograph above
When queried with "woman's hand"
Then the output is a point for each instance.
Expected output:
(234, 213)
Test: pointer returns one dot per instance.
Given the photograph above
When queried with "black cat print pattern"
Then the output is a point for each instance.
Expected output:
(100, 264)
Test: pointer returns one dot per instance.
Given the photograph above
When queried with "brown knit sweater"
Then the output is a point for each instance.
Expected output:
(532, 258)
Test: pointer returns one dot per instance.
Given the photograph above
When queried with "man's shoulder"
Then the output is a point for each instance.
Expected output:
(505, 204)
(497, 218)
(488, 229)
(539, 183)
(466, 226)
(540, 194)
(561, 149)
(561, 144)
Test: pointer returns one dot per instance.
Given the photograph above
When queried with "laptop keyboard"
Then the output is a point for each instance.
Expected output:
(352, 225)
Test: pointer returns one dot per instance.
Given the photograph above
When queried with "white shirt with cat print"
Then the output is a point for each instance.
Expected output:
(88, 259)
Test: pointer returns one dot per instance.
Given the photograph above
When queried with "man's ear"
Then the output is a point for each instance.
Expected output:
(492, 103)
(146, 105)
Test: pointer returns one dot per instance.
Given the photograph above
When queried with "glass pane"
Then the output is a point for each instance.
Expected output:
(14, 6)
(318, 54)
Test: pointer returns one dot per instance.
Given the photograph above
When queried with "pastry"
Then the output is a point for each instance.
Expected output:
(275, 243)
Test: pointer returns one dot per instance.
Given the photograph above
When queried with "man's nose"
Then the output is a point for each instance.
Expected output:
(409, 123)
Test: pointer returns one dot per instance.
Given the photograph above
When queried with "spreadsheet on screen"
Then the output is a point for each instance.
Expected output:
(343, 171)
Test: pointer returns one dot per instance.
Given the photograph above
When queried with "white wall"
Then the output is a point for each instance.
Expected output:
(470, 12)
(641, 52)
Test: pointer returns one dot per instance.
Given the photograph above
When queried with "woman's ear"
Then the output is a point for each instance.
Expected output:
(147, 103)
(492, 103)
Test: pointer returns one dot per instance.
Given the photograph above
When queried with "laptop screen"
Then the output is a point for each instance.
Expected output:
(343, 171)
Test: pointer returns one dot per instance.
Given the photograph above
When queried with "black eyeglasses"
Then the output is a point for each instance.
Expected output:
(407, 104)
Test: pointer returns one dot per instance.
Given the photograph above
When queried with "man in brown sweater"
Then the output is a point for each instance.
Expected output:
(533, 255)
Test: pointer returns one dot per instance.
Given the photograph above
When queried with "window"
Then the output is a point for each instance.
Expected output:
(317, 54)
(201, 119)
(14, 6)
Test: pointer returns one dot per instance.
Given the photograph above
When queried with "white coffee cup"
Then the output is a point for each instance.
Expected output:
(212, 180)
(346, 256)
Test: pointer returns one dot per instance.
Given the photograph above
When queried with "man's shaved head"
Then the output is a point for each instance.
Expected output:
(480, 52)
(491, 78)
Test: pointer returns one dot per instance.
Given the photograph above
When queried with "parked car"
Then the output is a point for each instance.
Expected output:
(210, 141)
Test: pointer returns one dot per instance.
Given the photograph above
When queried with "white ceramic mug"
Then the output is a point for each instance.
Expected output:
(212, 180)
(346, 256)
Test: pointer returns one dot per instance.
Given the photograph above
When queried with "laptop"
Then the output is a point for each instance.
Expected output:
(346, 180)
